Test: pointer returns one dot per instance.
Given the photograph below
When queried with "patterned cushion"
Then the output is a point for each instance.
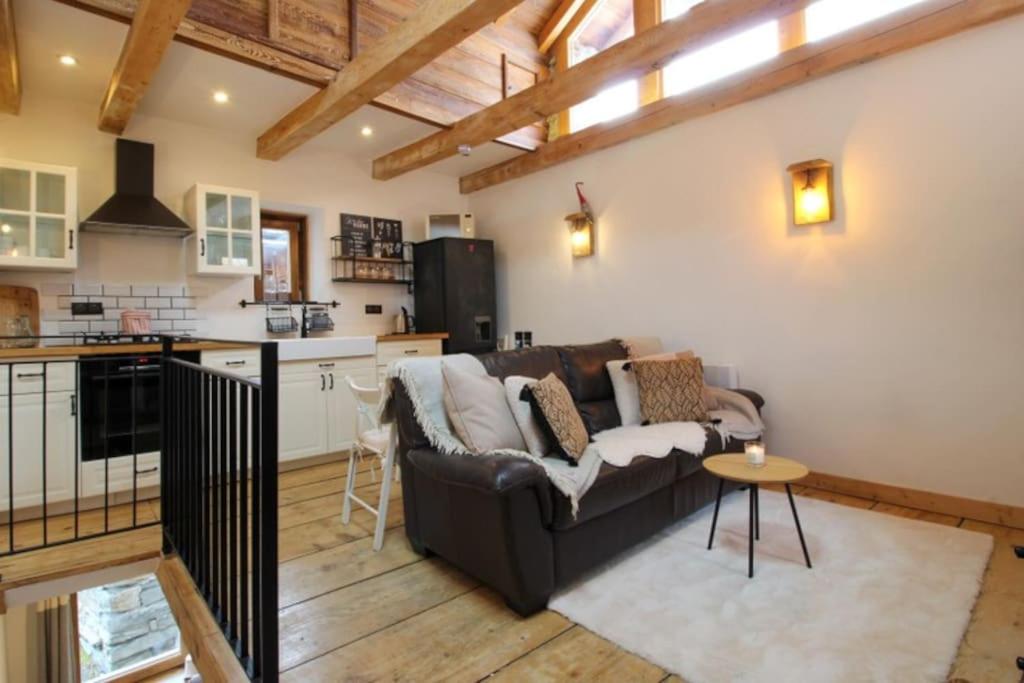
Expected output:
(671, 390)
(559, 418)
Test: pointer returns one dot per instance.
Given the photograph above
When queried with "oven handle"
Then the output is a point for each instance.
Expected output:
(138, 368)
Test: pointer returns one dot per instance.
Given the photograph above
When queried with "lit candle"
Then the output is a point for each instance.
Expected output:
(755, 453)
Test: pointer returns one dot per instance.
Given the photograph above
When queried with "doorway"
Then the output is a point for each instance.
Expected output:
(284, 273)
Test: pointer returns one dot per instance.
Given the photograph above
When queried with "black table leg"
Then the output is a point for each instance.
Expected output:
(750, 535)
(714, 520)
(799, 531)
(757, 513)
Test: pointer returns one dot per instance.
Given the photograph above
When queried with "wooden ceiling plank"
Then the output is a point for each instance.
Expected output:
(631, 58)
(436, 27)
(557, 23)
(10, 74)
(153, 28)
(907, 29)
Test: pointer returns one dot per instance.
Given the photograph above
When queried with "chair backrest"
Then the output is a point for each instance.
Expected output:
(367, 405)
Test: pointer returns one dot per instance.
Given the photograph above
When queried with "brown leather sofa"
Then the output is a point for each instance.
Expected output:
(499, 519)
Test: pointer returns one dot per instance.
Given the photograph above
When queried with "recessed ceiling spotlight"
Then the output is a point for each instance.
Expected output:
(366, 131)
(68, 60)
(5, 228)
(221, 97)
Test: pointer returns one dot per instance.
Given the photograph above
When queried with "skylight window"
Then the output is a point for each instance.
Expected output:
(610, 22)
(722, 59)
(826, 18)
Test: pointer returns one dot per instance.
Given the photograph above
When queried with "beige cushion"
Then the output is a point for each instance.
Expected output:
(627, 398)
(563, 420)
(476, 406)
(522, 412)
(671, 390)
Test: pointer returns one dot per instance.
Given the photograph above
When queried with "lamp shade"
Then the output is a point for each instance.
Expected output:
(813, 200)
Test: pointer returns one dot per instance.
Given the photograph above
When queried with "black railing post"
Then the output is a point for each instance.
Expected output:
(267, 563)
(166, 484)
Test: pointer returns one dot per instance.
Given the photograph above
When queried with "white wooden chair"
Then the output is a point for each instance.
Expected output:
(373, 439)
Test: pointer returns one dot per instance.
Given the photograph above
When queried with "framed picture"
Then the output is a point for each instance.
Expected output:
(387, 233)
(357, 235)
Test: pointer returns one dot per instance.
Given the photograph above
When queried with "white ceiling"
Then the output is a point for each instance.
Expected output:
(183, 86)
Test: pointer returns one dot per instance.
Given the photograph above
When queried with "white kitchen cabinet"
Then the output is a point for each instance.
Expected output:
(121, 471)
(316, 411)
(27, 419)
(38, 216)
(392, 350)
(226, 222)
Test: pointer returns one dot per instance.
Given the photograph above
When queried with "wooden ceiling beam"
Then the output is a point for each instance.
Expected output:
(564, 13)
(909, 28)
(153, 28)
(644, 53)
(436, 27)
(10, 75)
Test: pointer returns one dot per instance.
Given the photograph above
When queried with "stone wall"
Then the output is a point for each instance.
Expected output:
(122, 624)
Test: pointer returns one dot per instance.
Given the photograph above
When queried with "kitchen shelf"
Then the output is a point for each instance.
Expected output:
(351, 264)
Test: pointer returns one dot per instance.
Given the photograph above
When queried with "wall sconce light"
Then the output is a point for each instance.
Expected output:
(581, 230)
(812, 192)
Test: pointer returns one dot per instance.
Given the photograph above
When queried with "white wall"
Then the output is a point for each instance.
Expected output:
(319, 183)
(888, 344)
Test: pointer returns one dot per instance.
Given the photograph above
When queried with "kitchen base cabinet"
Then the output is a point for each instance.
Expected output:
(27, 420)
(121, 473)
(317, 411)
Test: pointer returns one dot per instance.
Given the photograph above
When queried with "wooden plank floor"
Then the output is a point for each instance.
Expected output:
(348, 613)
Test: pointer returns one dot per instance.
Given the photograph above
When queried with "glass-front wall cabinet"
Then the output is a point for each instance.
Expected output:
(227, 236)
(38, 216)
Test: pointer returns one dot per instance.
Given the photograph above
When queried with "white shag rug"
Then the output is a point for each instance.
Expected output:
(888, 598)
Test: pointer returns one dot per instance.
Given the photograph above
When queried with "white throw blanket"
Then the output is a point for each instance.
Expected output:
(619, 446)
(422, 380)
(738, 416)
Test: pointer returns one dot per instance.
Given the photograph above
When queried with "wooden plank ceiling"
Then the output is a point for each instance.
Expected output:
(309, 40)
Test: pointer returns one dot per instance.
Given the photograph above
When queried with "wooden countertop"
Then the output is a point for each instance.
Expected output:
(111, 349)
(425, 336)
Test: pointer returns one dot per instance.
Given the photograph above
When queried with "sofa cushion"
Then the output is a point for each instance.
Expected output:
(616, 487)
(536, 439)
(477, 408)
(671, 390)
(535, 362)
(557, 415)
(587, 377)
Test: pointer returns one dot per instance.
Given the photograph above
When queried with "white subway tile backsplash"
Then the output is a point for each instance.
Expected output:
(131, 302)
(56, 289)
(185, 325)
(172, 314)
(184, 302)
(193, 314)
(158, 302)
(55, 315)
(88, 289)
(71, 328)
(160, 326)
(144, 290)
(79, 318)
(107, 301)
(113, 313)
(66, 301)
(117, 290)
(170, 290)
(108, 326)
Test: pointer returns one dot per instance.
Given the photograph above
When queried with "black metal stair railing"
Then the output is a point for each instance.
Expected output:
(219, 497)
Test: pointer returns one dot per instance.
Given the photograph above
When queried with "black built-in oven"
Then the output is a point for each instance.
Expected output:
(119, 400)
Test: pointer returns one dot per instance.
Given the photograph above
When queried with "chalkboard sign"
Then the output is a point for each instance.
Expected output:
(356, 235)
(388, 234)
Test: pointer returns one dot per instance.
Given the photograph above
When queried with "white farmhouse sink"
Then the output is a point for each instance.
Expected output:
(325, 347)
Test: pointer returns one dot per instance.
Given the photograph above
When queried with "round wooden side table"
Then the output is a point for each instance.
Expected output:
(776, 470)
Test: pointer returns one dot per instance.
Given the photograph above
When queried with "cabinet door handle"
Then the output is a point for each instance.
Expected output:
(71, 239)
(410, 352)
(234, 363)
(151, 470)
(74, 405)
(323, 383)
(30, 375)
(332, 381)
(202, 246)
(325, 366)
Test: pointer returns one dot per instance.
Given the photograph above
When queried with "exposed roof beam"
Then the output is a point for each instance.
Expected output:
(152, 30)
(648, 51)
(10, 77)
(437, 26)
(909, 28)
(564, 13)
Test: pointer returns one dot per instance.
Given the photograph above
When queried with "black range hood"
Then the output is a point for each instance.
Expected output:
(133, 209)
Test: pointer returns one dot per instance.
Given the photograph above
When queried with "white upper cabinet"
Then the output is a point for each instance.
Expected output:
(226, 240)
(38, 216)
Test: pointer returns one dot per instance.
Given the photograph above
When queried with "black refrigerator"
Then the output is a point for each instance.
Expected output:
(454, 287)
